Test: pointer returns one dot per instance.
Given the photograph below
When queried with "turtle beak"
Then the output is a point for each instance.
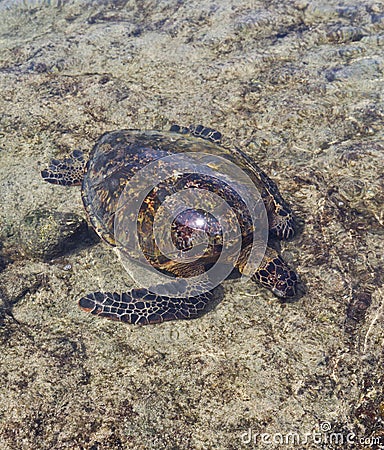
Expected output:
(287, 291)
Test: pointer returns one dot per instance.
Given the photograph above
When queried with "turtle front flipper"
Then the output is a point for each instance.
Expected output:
(141, 307)
(280, 216)
(66, 172)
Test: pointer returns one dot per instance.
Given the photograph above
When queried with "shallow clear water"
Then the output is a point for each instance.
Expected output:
(297, 86)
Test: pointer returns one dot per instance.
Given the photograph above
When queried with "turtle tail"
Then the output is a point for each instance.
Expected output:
(66, 172)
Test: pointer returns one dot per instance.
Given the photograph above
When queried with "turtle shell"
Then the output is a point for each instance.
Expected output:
(119, 156)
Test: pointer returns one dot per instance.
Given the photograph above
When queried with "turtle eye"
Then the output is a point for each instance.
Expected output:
(285, 282)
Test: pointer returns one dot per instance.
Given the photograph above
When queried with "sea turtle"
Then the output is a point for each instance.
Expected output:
(115, 159)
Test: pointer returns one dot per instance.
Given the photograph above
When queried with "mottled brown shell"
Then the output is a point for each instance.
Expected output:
(119, 155)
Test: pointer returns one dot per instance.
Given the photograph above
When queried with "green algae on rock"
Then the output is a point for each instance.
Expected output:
(46, 234)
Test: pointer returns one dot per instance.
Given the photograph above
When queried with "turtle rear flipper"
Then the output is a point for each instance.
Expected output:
(141, 307)
(66, 172)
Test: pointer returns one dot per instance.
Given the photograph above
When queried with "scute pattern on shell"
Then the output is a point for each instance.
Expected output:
(119, 155)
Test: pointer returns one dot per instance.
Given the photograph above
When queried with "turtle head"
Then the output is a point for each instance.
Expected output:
(278, 277)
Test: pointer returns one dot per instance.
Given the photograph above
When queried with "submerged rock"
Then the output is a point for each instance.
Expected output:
(46, 234)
